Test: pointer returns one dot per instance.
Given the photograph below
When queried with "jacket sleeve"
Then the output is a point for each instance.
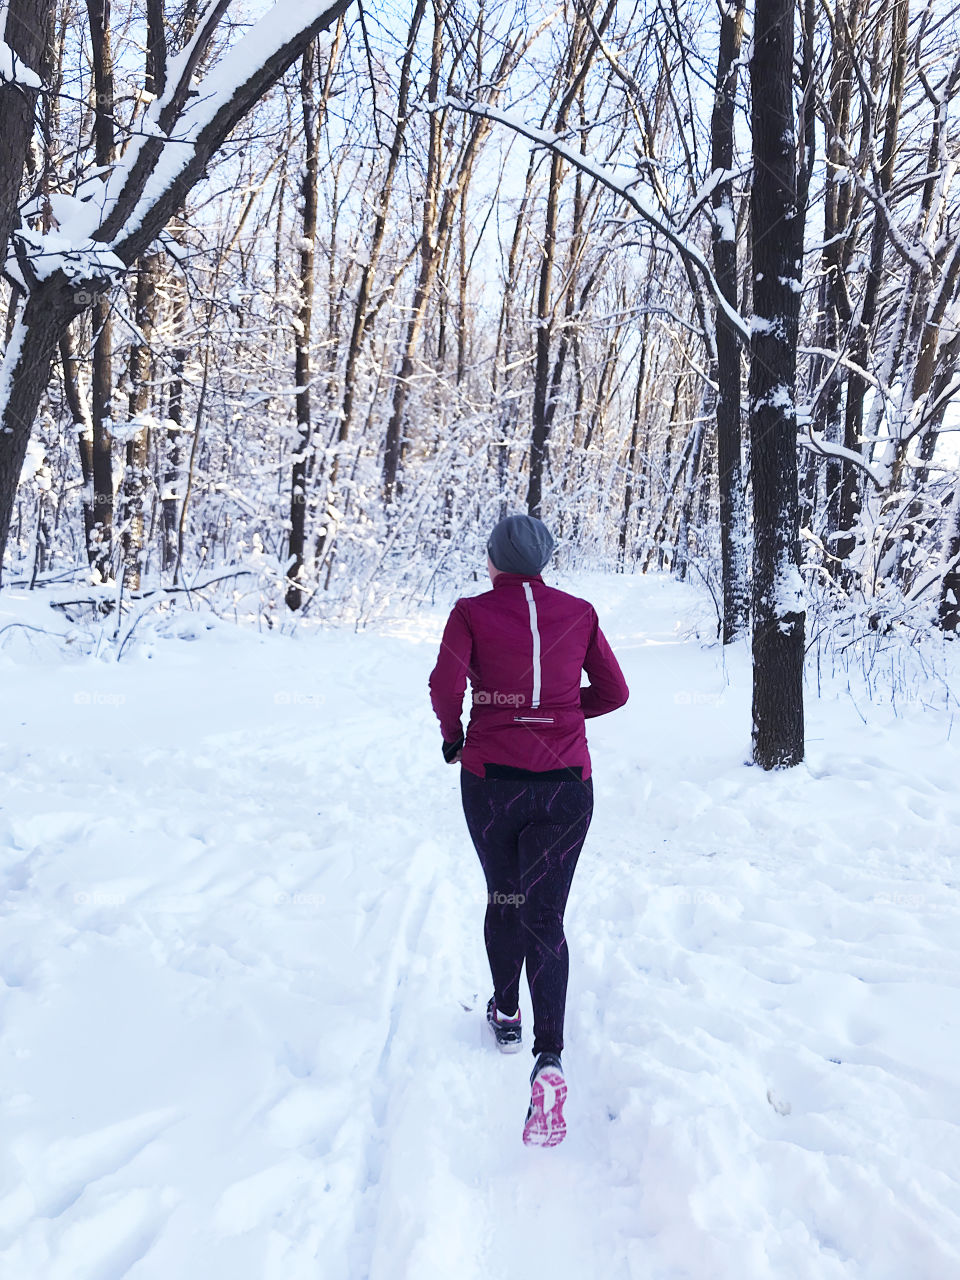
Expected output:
(607, 689)
(448, 679)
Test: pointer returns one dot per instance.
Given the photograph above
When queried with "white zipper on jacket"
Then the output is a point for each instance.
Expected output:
(528, 591)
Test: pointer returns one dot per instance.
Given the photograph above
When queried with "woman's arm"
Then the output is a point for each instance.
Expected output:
(607, 689)
(448, 680)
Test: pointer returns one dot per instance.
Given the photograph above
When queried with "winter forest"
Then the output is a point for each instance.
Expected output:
(300, 298)
(315, 309)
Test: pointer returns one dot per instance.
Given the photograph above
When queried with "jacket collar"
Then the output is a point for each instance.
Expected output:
(506, 579)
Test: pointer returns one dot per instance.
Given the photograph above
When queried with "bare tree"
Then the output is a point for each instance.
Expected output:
(142, 194)
(448, 173)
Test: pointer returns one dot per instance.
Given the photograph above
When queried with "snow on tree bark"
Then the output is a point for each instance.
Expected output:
(302, 364)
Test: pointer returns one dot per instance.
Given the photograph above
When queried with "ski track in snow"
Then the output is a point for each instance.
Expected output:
(243, 982)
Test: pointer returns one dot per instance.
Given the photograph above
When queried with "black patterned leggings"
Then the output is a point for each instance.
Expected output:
(528, 834)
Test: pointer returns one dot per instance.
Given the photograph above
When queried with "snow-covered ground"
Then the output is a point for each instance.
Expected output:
(243, 979)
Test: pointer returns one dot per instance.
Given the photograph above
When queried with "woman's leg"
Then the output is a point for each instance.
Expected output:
(549, 846)
(494, 809)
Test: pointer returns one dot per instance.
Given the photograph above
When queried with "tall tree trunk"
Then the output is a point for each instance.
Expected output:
(137, 448)
(851, 492)
(841, 482)
(102, 397)
(693, 473)
(733, 521)
(83, 425)
(431, 251)
(102, 389)
(580, 56)
(638, 404)
(504, 351)
(173, 442)
(778, 608)
(948, 612)
(309, 185)
(539, 443)
(24, 373)
(444, 189)
(364, 312)
(27, 23)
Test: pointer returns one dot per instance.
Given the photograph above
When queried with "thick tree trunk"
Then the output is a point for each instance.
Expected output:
(778, 609)
(24, 373)
(26, 34)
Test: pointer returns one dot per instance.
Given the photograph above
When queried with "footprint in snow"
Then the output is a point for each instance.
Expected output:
(780, 1105)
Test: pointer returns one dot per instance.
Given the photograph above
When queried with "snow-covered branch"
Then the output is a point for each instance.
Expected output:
(827, 449)
(181, 133)
(623, 186)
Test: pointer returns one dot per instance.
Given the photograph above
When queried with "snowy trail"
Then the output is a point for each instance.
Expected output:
(241, 1016)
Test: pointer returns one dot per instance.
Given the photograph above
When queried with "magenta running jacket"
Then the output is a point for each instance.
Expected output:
(523, 646)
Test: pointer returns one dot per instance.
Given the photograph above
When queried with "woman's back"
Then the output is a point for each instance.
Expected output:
(523, 645)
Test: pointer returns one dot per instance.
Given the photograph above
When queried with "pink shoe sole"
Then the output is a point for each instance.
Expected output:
(545, 1125)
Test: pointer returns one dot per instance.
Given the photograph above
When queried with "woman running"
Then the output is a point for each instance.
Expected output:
(525, 780)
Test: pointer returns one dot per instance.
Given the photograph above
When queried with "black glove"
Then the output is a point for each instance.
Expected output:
(450, 750)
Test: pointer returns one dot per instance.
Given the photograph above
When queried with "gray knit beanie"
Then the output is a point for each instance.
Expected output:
(520, 544)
